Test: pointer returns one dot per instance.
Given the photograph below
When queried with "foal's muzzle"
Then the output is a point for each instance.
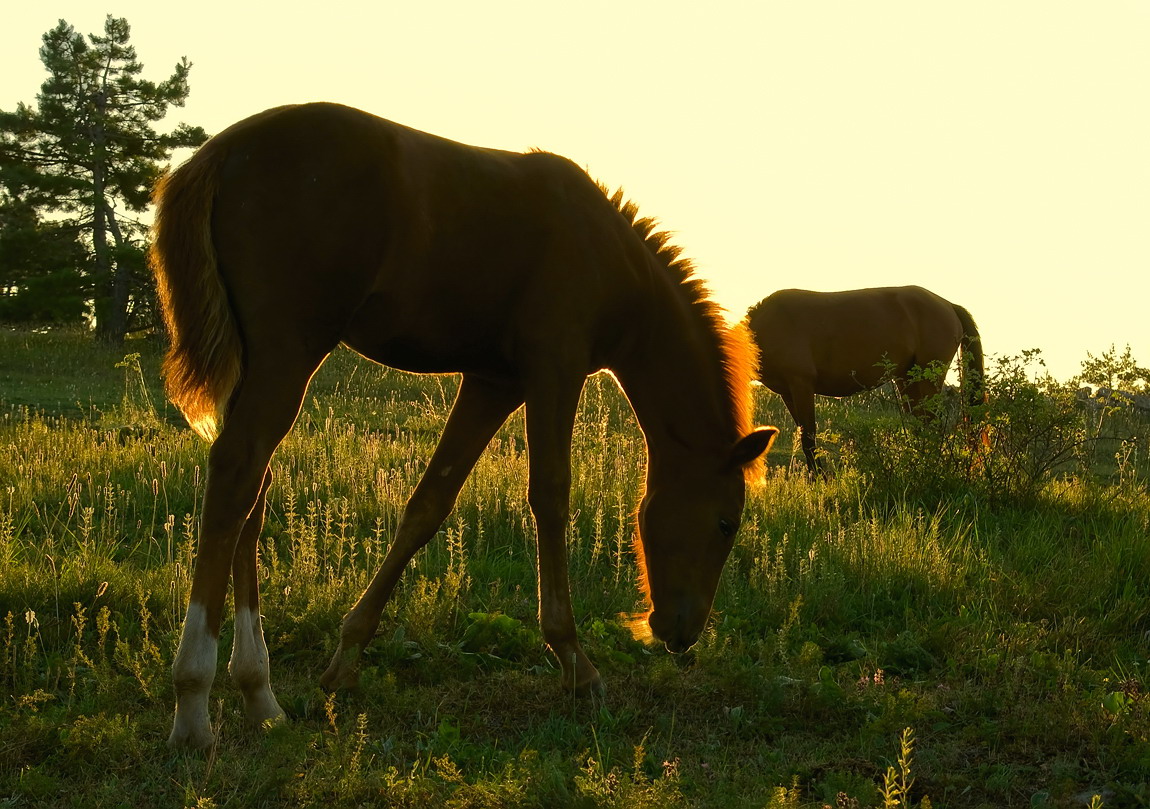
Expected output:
(672, 630)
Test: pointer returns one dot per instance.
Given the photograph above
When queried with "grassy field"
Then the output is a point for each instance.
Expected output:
(914, 631)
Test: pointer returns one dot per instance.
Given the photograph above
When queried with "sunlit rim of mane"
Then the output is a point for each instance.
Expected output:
(736, 353)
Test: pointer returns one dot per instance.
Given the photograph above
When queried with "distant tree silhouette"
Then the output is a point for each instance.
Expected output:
(78, 169)
(1115, 372)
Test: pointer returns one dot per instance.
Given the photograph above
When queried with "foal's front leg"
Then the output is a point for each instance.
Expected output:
(550, 422)
(479, 411)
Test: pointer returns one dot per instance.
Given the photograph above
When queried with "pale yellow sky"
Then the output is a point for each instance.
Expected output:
(995, 151)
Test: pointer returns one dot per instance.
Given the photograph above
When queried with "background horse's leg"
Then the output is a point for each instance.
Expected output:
(249, 662)
(800, 400)
(479, 411)
(550, 422)
(263, 410)
(914, 392)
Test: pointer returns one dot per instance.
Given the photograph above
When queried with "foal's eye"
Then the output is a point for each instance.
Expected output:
(726, 528)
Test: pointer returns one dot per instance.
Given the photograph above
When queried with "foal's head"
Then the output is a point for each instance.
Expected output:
(686, 528)
(693, 502)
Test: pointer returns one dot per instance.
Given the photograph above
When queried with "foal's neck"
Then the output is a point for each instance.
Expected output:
(676, 384)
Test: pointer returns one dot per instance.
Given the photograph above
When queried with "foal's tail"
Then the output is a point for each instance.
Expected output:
(205, 356)
(973, 362)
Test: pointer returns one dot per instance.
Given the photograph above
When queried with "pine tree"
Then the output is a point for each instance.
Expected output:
(88, 155)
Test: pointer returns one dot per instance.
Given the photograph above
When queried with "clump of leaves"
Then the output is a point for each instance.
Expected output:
(495, 635)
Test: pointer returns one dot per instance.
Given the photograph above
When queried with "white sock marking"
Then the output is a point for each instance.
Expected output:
(193, 671)
(250, 669)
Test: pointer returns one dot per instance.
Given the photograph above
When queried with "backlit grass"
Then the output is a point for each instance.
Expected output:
(1008, 633)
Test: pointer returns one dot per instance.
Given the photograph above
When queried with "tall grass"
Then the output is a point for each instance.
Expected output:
(1009, 632)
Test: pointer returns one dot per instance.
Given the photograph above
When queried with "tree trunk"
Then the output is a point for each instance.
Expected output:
(121, 291)
(111, 288)
(106, 325)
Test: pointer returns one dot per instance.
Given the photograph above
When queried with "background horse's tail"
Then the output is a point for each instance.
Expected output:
(205, 355)
(973, 363)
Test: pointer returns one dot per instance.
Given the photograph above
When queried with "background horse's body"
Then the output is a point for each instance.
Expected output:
(841, 343)
(307, 226)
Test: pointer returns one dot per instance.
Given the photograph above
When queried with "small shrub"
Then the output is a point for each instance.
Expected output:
(498, 636)
(103, 740)
(1031, 430)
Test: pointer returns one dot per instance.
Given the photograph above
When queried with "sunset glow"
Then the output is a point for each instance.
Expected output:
(994, 153)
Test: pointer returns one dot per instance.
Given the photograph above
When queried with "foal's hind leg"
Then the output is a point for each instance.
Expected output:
(263, 411)
(480, 409)
(249, 662)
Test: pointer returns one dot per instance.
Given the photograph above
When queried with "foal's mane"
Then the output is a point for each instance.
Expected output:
(735, 353)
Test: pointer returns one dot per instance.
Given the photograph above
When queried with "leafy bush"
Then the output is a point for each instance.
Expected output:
(1032, 429)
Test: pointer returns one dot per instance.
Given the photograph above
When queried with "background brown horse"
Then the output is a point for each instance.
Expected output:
(840, 343)
(307, 226)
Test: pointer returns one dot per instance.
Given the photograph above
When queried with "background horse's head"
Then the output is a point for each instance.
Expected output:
(687, 524)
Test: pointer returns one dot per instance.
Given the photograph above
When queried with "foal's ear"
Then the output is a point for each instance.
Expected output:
(752, 445)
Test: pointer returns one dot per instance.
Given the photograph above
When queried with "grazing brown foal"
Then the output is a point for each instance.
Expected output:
(308, 226)
(840, 343)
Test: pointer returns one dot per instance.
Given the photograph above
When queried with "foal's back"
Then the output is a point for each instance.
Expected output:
(420, 252)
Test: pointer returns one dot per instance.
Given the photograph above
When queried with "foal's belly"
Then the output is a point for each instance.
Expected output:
(430, 343)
